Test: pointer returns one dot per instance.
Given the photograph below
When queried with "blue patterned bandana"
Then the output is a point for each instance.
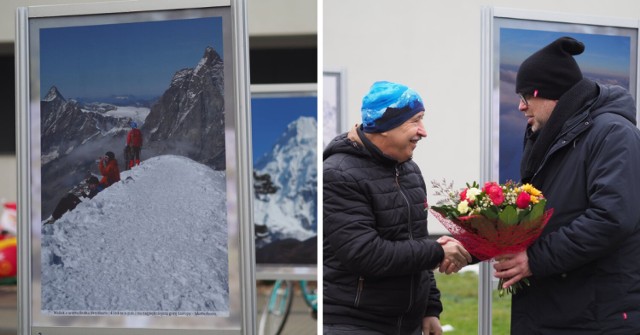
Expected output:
(388, 105)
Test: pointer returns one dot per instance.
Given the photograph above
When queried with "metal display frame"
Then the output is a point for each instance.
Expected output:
(334, 95)
(242, 297)
(286, 271)
(492, 20)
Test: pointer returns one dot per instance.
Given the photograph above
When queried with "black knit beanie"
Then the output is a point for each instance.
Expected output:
(551, 71)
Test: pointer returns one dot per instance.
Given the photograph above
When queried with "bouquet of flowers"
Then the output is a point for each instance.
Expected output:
(493, 220)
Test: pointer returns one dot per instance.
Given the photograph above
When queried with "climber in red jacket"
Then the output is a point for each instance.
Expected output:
(109, 170)
(134, 142)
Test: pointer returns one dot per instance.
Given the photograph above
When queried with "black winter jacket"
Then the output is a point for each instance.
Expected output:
(586, 264)
(376, 250)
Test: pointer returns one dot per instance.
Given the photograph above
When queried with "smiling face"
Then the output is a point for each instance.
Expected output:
(537, 111)
(399, 143)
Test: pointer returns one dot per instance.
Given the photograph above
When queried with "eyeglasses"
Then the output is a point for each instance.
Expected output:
(523, 99)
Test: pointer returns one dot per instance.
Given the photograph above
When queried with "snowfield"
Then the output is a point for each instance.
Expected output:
(154, 243)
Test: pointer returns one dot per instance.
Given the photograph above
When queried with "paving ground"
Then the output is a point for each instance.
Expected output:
(299, 322)
(8, 310)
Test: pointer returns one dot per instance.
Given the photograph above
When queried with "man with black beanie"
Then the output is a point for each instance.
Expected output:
(582, 150)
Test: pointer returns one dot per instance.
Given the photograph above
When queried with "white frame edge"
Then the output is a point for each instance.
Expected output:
(122, 6)
(244, 166)
(342, 103)
(486, 153)
(23, 154)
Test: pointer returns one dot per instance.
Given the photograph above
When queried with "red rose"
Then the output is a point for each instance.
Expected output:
(494, 192)
(463, 195)
(523, 200)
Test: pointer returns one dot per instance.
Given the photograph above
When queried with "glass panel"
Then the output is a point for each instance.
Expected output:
(459, 296)
(501, 312)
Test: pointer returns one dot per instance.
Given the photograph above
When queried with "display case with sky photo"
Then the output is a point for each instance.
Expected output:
(610, 57)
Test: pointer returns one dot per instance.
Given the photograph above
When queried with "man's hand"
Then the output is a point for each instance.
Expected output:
(431, 325)
(512, 268)
(455, 255)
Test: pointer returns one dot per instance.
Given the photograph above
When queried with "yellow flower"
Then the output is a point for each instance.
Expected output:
(531, 190)
(463, 207)
(534, 199)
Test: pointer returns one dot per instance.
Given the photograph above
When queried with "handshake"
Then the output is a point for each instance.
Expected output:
(455, 255)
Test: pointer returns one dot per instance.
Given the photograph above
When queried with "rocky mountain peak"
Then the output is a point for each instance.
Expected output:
(192, 111)
(54, 94)
(210, 55)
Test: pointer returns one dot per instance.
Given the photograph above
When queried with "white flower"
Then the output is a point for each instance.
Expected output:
(472, 193)
(463, 207)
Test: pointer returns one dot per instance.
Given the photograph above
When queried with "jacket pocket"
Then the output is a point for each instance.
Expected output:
(391, 296)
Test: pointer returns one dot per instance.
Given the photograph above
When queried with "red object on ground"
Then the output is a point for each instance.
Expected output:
(8, 257)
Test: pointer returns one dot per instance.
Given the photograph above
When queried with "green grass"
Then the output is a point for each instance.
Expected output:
(459, 295)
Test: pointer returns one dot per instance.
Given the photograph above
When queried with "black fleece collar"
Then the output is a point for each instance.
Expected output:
(375, 152)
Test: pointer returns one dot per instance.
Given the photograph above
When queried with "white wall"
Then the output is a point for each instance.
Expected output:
(433, 47)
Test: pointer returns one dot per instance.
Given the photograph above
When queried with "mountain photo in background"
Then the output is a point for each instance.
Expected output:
(607, 59)
(155, 242)
(285, 179)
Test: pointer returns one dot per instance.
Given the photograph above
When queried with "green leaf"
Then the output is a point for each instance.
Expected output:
(480, 225)
(508, 216)
(537, 210)
(522, 214)
(448, 211)
(491, 213)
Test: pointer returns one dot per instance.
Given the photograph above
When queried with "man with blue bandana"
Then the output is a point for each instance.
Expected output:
(378, 259)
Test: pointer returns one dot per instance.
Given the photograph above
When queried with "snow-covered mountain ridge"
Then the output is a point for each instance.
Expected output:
(290, 212)
(154, 242)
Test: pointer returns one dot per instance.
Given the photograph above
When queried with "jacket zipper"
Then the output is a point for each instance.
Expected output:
(556, 148)
(406, 200)
(399, 325)
(400, 319)
(359, 291)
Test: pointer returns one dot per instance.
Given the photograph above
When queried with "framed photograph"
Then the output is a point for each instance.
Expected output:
(132, 125)
(285, 154)
(509, 37)
(334, 105)
(610, 56)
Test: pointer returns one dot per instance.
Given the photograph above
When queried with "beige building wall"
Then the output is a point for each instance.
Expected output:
(265, 17)
(8, 178)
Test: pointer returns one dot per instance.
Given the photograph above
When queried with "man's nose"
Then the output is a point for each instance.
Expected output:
(522, 106)
(421, 131)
